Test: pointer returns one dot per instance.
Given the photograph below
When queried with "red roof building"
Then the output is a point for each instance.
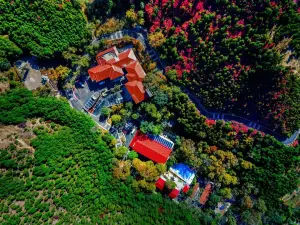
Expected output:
(195, 189)
(135, 70)
(125, 58)
(106, 71)
(174, 193)
(109, 53)
(136, 90)
(186, 188)
(160, 183)
(150, 148)
(113, 64)
(205, 194)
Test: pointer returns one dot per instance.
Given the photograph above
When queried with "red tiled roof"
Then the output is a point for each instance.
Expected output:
(186, 188)
(112, 68)
(131, 77)
(99, 72)
(136, 90)
(111, 61)
(205, 194)
(125, 58)
(99, 58)
(136, 69)
(174, 193)
(117, 72)
(160, 183)
(112, 49)
(195, 189)
(147, 147)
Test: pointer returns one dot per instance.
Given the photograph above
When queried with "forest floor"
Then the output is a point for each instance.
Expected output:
(21, 136)
(4, 83)
(293, 199)
(4, 86)
(6, 135)
(290, 61)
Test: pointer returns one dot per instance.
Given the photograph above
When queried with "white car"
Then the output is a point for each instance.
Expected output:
(133, 130)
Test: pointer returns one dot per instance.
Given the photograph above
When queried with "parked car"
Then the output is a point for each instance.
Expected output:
(132, 131)
(113, 130)
(80, 84)
(95, 95)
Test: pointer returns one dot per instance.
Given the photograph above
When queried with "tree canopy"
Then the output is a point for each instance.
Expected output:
(43, 28)
(68, 178)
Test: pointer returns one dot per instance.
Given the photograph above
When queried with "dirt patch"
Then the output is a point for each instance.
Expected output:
(40, 194)
(12, 212)
(288, 58)
(33, 79)
(4, 86)
(20, 203)
(23, 144)
(55, 220)
(21, 135)
(7, 135)
(16, 135)
(290, 61)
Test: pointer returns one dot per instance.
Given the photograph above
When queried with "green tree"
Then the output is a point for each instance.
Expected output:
(131, 16)
(149, 127)
(8, 51)
(105, 112)
(170, 184)
(133, 155)
(116, 119)
(120, 152)
(63, 72)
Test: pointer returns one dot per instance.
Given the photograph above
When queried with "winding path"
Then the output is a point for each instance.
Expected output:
(141, 35)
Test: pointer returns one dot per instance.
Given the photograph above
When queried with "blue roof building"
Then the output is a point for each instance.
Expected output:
(184, 172)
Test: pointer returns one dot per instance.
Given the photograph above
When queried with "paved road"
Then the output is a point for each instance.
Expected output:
(230, 117)
(141, 34)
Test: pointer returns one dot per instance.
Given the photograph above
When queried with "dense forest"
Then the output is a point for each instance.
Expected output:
(8, 51)
(234, 55)
(72, 164)
(244, 164)
(43, 28)
(230, 53)
(67, 178)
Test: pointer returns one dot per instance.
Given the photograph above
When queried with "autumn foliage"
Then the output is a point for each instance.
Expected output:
(226, 53)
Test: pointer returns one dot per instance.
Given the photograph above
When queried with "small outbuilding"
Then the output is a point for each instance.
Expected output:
(174, 193)
(160, 183)
(205, 194)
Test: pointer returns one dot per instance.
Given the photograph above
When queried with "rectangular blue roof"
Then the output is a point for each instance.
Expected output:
(184, 171)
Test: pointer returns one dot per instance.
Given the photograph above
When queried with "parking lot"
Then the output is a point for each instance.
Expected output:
(85, 89)
(129, 131)
(81, 97)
